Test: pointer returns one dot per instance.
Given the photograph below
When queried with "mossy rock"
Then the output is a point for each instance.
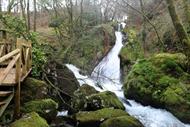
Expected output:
(33, 89)
(80, 99)
(91, 102)
(122, 121)
(95, 118)
(46, 108)
(161, 81)
(30, 120)
(105, 99)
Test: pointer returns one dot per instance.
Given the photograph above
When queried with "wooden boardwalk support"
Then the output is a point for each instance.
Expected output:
(14, 68)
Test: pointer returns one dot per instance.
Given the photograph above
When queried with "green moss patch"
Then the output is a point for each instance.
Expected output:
(94, 118)
(30, 120)
(123, 121)
(161, 81)
(45, 108)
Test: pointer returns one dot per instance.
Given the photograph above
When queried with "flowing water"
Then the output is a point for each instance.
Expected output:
(107, 75)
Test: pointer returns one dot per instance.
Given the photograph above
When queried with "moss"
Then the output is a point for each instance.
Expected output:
(123, 121)
(45, 108)
(33, 89)
(104, 100)
(30, 120)
(161, 81)
(94, 118)
(96, 101)
(178, 58)
(79, 99)
(85, 90)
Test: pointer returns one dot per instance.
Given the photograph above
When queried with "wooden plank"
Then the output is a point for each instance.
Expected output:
(5, 93)
(8, 56)
(28, 45)
(9, 67)
(2, 103)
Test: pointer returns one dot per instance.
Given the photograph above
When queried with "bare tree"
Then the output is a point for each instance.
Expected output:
(28, 15)
(35, 15)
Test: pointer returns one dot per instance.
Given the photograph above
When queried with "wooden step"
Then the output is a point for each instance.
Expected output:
(2, 103)
(5, 93)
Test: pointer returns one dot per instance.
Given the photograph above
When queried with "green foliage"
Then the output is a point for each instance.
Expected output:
(14, 25)
(133, 50)
(38, 60)
(17, 28)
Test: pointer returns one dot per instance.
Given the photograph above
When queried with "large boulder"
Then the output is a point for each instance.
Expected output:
(30, 120)
(46, 108)
(79, 100)
(95, 118)
(161, 81)
(122, 121)
(105, 99)
(33, 89)
(92, 100)
(62, 77)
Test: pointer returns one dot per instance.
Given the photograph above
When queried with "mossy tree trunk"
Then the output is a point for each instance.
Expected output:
(181, 32)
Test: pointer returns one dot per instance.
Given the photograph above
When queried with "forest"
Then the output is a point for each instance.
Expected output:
(94, 63)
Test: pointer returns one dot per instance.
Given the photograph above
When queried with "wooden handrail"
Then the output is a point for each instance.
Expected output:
(8, 69)
(8, 56)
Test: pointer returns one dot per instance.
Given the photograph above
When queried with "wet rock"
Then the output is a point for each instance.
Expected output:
(92, 100)
(79, 100)
(103, 100)
(122, 121)
(95, 118)
(30, 120)
(161, 81)
(33, 89)
(46, 108)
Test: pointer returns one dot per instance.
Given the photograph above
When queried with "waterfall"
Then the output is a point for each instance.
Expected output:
(107, 74)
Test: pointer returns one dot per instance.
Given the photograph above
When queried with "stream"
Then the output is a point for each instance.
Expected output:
(107, 75)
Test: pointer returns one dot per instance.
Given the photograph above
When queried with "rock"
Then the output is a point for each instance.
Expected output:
(101, 100)
(62, 77)
(46, 108)
(92, 100)
(33, 89)
(79, 99)
(30, 120)
(95, 118)
(161, 81)
(122, 121)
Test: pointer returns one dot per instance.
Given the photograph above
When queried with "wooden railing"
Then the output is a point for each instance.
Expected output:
(20, 58)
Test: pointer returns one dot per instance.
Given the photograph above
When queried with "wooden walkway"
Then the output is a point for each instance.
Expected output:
(15, 65)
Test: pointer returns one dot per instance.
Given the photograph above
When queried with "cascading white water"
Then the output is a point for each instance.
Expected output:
(107, 74)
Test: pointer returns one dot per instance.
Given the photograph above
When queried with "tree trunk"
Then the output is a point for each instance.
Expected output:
(0, 6)
(35, 11)
(143, 35)
(182, 34)
(28, 15)
(81, 12)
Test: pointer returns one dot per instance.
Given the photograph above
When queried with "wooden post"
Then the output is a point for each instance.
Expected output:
(4, 34)
(18, 77)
